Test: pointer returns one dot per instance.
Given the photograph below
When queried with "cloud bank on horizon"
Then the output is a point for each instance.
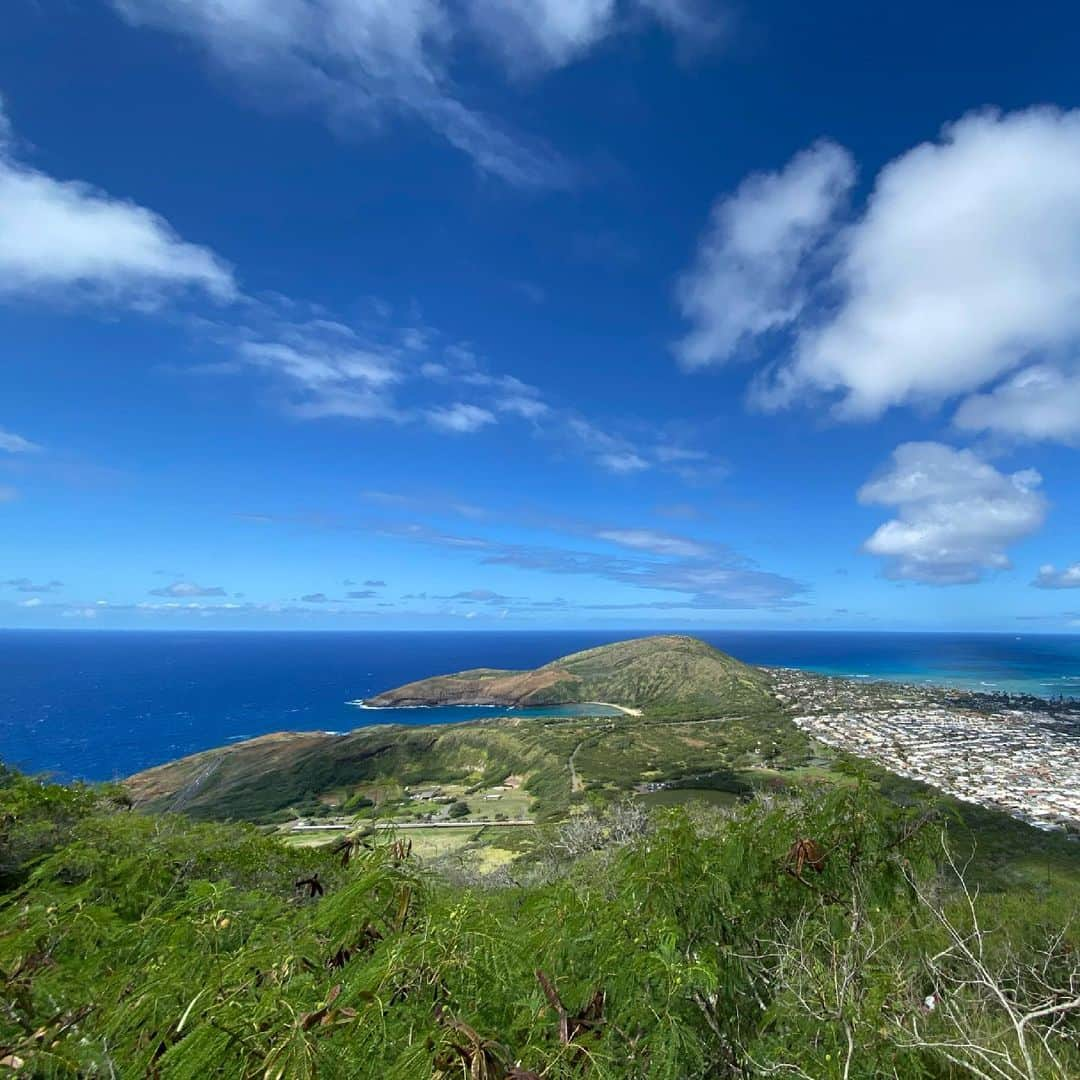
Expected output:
(876, 354)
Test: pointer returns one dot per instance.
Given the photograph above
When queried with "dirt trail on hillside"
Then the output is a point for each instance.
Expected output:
(575, 781)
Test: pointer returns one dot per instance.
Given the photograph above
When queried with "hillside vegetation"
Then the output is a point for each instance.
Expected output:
(827, 937)
(705, 715)
(797, 914)
(668, 671)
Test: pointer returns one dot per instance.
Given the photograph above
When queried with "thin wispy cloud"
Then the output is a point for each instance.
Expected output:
(460, 417)
(179, 589)
(26, 585)
(716, 578)
(360, 65)
(10, 443)
(366, 66)
(655, 542)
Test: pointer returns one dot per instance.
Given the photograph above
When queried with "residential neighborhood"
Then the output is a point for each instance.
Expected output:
(1015, 753)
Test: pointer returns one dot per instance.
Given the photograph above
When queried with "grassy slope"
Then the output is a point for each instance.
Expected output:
(668, 670)
(740, 739)
(721, 711)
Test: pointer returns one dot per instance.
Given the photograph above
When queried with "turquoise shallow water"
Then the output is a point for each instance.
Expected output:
(101, 704)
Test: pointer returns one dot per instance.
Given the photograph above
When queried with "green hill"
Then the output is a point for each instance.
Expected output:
(671, 686)
(798, 916)
(665, 672)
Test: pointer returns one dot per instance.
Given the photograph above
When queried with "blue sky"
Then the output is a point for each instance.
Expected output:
(622, 313)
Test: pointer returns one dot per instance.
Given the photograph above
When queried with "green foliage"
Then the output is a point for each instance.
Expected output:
(155, 945)
(665, 672)
(36, 815)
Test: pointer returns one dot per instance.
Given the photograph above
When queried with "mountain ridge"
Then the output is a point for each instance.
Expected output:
(666, 669)
(661, 682)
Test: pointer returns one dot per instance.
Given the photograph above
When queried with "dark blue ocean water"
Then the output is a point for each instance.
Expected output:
(102, 704)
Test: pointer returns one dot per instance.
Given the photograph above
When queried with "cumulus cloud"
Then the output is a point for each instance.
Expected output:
(188, 589)
(747, 278)
(16, 444)
(956, 515)
(1039, 403)
(66, 237)
(965, 264)
(315, 598)
(1049, 577)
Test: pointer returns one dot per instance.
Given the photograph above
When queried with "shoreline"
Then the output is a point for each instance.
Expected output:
(627, 710)
(981, 688)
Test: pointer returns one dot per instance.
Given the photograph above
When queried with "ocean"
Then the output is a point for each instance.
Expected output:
(104, 704)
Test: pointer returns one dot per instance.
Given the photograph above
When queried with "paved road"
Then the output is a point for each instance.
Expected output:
(419, 825)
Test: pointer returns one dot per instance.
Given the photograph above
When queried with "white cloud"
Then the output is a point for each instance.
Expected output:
(747, 279)
(327, 370)
(656, 542)
(611, 453)
(696, 23)
(460, 417)
(529, 408)
(366, 62)
(79, 613)
(721, 580)
(1040, 403)
(955, 514)
(16, 444)
(541, 33)
(65, 236)
(188, 588)
(965, 264)
(622, 462)
(359, 62)
(34, 601)
(1049, 577)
